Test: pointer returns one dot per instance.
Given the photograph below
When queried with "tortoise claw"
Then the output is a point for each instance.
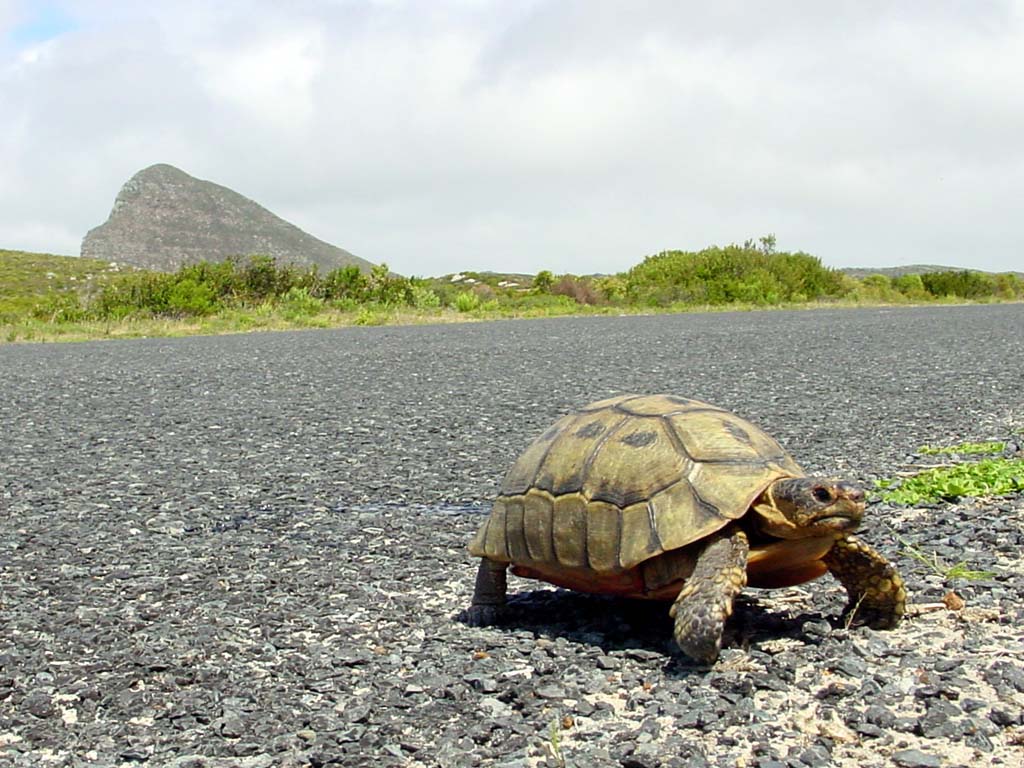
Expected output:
(867, 616)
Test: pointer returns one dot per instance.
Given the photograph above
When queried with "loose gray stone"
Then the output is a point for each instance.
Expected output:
(915, 758)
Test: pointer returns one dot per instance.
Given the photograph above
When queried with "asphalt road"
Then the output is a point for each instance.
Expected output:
(193, 530)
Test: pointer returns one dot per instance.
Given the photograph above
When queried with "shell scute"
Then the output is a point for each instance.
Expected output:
(682, 517)
(564, 466)
(569, 530)
(520, 477)
(612, 475)
(719, 436)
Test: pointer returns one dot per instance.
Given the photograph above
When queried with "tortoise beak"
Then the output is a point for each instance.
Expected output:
(837, 521)
(851, 492)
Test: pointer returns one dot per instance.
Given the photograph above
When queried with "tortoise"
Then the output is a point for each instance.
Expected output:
(664, 497)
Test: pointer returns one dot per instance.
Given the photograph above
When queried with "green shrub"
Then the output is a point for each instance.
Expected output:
(467, 301)
(60, 308)
(388, 289)
(731, 274)
(345, 283)
(1008, 286)
(424, 298)
(876, 288)
(188, 297)
(910, 286)
(298, 304)
(543, 303)
(612, 288)
(259, 278)
(543, 281)
(962, 284)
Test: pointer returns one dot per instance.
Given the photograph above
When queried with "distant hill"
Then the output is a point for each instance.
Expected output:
(27, 278)
(163, 218)
(910, 269)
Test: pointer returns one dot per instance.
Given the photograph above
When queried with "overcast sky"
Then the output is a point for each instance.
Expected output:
(516, 135)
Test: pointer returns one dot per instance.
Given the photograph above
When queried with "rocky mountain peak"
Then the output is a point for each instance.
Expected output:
(163, 218)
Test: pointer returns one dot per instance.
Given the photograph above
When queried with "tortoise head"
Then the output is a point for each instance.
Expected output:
(800, 507)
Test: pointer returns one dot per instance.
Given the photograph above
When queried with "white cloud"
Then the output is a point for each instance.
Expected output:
(567, 135)
(268, 79)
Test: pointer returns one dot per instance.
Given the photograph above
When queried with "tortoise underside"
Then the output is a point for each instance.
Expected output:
(777, 564)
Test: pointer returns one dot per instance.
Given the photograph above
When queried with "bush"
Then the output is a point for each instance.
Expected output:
(963, 284)
(543, 303)
(345, 283)
(60, 308)
(578, 289)
(910, 286)
(298, 304)
(725, 275)
(543, 281)
(1008, 286)
(876, 288)
(467, 301)
(424, 298)
(188, 297)
(611, 288)
(388, 289)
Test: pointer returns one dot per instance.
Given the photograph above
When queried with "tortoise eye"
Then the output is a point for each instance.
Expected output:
(822, 494)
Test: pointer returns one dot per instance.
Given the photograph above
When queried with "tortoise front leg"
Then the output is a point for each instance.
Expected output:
(488, 594)
(878, 597)
(705, 601)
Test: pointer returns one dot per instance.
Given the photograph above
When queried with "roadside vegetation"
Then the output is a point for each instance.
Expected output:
(44, 297)
(977, 469)
(988, 477)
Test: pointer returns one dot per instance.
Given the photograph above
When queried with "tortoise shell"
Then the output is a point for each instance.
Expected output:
(626, 482)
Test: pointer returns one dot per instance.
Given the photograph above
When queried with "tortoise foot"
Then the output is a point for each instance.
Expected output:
(876, 617)
(878, 596)
(705, 601)
(699, 635)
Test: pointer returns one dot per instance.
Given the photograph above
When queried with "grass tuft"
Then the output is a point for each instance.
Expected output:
(940, 567)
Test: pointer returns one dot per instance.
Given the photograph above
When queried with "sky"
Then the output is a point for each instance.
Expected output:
(518, 135)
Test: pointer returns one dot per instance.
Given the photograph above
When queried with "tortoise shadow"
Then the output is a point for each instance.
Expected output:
(643, 628)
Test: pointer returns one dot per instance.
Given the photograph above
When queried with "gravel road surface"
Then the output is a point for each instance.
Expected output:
(250, 550)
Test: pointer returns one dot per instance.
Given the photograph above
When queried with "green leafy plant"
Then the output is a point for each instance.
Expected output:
(964, 449)
(989, 477)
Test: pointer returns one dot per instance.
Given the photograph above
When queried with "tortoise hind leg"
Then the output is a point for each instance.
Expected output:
(488, 594)
(878, 597)
(705, 601)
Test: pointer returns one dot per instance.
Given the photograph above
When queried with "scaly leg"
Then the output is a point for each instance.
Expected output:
(488, 595)
(705, 601)
(877, 595)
